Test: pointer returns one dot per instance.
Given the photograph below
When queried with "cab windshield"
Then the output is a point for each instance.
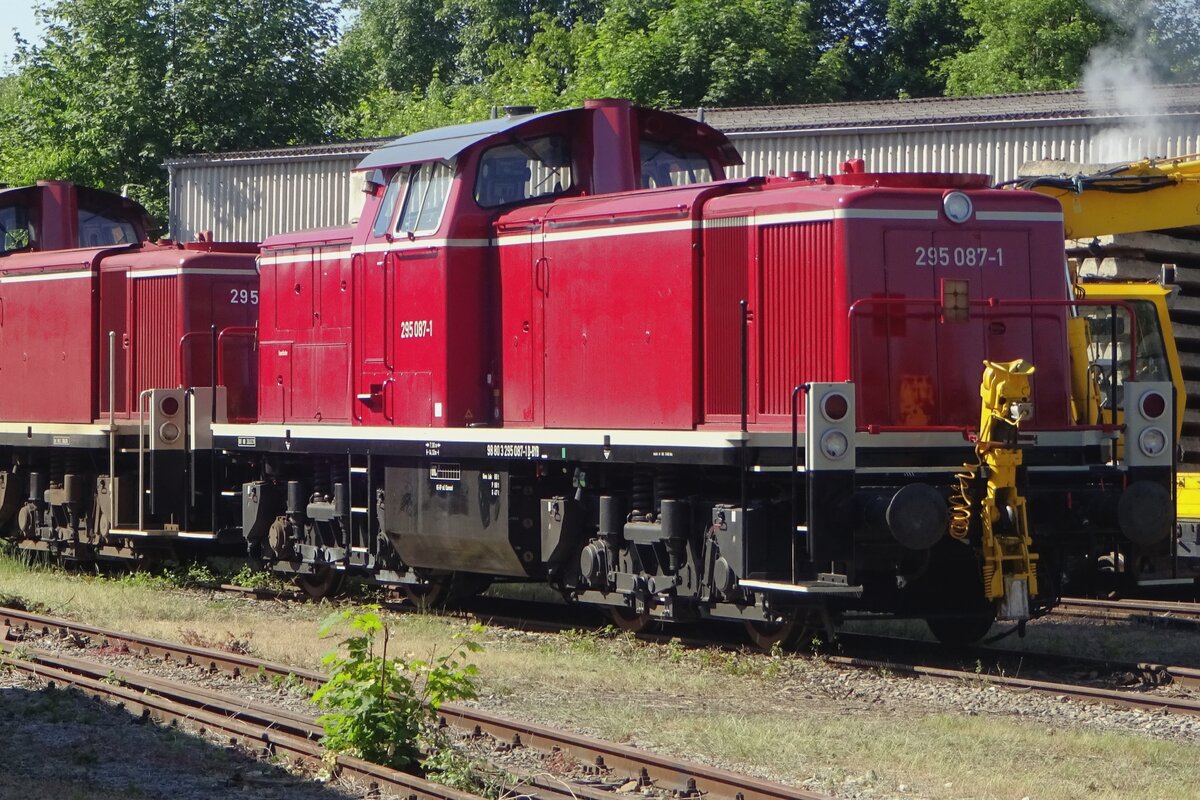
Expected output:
(1145, 361)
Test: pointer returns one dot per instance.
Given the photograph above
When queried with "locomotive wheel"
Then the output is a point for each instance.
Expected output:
(433, 594)
(785, 633)
(322, 582)
(961, 631)
(627, 619)
(443, 590)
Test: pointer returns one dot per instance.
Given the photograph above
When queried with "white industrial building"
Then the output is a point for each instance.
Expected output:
(247, 196)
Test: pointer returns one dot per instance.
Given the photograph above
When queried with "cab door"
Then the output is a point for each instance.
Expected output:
(114, 317)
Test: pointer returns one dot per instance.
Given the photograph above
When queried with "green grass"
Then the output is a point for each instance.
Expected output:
(739, 710)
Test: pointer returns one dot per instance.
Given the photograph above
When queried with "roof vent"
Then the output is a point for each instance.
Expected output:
(518, 111)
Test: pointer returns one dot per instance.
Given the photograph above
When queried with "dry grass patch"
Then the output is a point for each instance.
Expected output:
(739, 710)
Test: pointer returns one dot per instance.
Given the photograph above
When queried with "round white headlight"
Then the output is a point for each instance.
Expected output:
(1152, 442)
(168, 432)
(834, 444)
(958, 207)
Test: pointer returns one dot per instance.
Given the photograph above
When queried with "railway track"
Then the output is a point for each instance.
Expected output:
(296, 737)
(689, 778)
(1182, 614)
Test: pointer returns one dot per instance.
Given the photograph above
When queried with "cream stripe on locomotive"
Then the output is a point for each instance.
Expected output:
(617, 229)
(37, 277)
(48, 276)
(623, 438)
(174, 272)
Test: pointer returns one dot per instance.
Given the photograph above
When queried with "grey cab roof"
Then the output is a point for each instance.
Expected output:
(440, 144)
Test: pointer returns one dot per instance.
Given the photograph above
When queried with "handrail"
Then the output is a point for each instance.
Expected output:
(1003, 302)
(232, 330)
(391, 378)
(112, 429)
(182, 341)
(142, 458)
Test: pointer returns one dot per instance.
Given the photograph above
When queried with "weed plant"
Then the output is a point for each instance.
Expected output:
(383, 708)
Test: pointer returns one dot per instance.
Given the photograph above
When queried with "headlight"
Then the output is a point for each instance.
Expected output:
(1152, 442)
(958, 207)
(168, 432)
(834, 444)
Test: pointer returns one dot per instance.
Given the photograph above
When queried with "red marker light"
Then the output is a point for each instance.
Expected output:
(834, 407)
(1153, 405)
(169, 406)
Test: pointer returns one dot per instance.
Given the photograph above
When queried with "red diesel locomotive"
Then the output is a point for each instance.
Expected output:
(562, 347)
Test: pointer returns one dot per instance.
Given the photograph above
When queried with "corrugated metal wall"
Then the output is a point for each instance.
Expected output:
(995, 150)
(246, 201)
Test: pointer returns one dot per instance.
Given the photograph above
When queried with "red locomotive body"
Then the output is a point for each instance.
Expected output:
(106, 349)
(623, 311)
(562, 347)
(304, 328)
(63, 297)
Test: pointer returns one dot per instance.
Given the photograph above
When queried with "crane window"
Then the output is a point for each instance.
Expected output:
(525, 169)
(1149, 357)
(667, 165)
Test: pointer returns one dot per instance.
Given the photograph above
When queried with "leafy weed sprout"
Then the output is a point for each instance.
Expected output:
(383, 708)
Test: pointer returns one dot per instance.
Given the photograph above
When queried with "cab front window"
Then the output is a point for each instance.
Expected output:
(428, 187)
(664, 164)
(1113, 355)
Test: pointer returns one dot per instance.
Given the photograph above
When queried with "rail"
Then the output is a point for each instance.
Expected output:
(688, 779)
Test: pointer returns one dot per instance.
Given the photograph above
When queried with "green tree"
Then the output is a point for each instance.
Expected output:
(118, 86)
(1025, 45)
(702, 52)
(399, 45)
(922, 35)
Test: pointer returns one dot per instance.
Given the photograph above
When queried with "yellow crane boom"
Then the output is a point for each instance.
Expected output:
(1095, 200)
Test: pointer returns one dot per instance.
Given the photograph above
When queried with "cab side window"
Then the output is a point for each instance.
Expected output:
(387, 207)
(526, 169)
(101, 229)
(666, 165)
(16, 229)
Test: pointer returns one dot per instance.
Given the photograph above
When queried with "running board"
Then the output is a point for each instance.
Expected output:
(162, 534)
(804, 587)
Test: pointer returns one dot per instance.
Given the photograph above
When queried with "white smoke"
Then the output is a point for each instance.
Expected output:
(1119, 81)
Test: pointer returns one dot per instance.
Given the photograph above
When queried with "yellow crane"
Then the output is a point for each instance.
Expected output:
(1139, 197)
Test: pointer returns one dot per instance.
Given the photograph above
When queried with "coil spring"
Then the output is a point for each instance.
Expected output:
(989, 569)
(641, 495)
(321, 477)
(58, 467)
(960, 501)
(668, 485)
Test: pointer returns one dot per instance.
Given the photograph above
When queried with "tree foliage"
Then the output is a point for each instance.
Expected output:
(1025, 45)
(118, 86)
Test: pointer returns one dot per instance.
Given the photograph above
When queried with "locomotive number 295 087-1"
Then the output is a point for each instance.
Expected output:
(960, 256)
(416, 328)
